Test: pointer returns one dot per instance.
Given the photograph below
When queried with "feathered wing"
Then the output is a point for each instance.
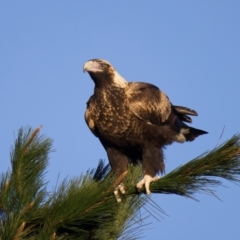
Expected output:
(148, 103)
(151, 105)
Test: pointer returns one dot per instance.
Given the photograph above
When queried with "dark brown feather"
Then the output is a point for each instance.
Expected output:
(183, 113)
(185, 110)
(148, 103)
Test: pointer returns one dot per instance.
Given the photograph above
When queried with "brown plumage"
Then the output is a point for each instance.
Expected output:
(134, 121)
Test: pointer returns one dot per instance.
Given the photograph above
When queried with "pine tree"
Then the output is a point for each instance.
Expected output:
(84, 207)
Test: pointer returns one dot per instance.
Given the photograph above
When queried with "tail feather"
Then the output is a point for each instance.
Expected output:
(177, 118)
(192, 133)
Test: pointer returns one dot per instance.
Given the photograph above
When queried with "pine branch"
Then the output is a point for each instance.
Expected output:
(22, 190)
(81, 208)
(199, 175)
(85, 207)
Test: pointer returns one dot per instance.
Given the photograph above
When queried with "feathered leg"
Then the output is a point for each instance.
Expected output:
(118, 162)
(152, 164)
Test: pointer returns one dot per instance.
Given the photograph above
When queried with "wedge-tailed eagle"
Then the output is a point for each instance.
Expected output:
(134, 121)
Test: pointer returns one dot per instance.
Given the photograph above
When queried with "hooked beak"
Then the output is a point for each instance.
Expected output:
(87, 66)
(92, 66)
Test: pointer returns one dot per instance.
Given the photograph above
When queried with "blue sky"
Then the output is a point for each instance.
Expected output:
(189, 49)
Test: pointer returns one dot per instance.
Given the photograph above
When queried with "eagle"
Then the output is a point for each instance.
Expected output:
(134, 121)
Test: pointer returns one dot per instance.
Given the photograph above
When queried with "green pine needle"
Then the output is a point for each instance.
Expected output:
(84, 207)
(199, 175)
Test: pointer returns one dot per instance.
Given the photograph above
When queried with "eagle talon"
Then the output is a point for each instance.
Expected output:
(120, 188)
(146, 181)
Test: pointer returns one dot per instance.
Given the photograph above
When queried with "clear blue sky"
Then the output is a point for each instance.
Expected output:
(189, 49)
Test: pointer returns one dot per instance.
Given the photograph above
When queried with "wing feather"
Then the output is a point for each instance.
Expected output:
(148, 103)
(185, 110)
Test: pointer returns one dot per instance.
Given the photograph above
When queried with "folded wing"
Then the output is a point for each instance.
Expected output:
(151, 105)
(148, 103)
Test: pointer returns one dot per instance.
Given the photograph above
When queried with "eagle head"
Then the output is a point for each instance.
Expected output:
(103, 73)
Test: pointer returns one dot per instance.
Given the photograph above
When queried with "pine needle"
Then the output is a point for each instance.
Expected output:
(199, 175)
(84, 207)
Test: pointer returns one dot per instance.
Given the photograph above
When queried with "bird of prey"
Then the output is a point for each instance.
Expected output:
(134, 121)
